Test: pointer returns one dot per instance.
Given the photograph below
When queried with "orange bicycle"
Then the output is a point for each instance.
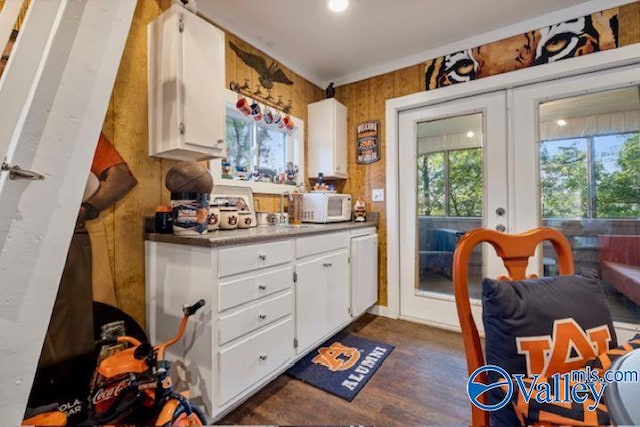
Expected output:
(132, 384)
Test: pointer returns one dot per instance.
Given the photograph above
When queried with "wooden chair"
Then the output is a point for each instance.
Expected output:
(515, 250)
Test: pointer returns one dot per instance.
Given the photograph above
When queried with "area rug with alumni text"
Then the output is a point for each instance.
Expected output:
(341, 365)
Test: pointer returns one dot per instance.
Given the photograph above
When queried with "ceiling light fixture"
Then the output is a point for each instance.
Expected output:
(561, 122)
(470, 134)
(338, 5)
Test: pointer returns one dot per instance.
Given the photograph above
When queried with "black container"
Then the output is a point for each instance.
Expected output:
(163, 223)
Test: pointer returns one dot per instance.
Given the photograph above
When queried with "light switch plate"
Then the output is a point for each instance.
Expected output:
(377, 195)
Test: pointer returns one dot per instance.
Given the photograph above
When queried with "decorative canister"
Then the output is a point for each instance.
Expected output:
(189, 212)
(262, 218)
(214, 217)
(228, 217)
(245, 220)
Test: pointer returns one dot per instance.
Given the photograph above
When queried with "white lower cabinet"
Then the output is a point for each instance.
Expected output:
(364, 270)
(244, 363)
(255, 313)
(322, 288)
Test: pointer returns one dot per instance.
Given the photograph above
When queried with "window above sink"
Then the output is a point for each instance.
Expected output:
(258, 153)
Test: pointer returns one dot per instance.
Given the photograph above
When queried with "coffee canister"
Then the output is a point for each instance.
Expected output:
(214, 217)
(228, 217)
(245, 220)
(190, 213)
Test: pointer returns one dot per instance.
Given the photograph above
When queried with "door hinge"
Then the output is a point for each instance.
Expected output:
(295, 277)
(348, 260)
(349, 310)
(295, 343)
(180, 25)
(182, 129)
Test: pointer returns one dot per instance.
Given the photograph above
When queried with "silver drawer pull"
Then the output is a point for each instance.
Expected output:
(263, 356)
(262, 287)
(327, 264)
(263, 257)
(262, 316)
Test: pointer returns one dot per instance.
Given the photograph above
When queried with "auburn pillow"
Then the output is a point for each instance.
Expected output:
(555, 408)
(551, 412)
(543, 326)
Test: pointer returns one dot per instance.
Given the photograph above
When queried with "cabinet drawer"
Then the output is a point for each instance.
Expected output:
(248, 288)
(245, 363)
(240, 259)
(253, 317)
(306, 246)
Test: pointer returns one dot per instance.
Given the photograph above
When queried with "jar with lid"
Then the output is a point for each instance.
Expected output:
(214, 217)
(228, 217)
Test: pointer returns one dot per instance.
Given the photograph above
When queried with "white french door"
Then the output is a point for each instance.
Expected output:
(453, 178)
(565, 154)
(583, 134)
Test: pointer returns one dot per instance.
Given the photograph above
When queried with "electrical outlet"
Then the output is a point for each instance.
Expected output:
(377, 195)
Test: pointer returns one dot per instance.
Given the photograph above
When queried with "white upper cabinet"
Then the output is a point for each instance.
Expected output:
(186, 87)
(327, 139)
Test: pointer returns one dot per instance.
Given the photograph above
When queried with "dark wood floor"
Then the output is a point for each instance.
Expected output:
(422, 382)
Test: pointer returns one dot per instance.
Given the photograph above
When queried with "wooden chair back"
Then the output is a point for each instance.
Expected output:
(515, 251)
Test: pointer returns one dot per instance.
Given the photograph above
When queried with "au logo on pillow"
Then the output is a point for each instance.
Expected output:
(568, 348)
(337, 357)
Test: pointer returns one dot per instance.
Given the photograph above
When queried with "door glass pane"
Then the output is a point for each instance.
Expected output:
(449, 198)
(589, 154)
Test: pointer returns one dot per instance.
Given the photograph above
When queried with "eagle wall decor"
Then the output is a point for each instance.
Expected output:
(268, 74)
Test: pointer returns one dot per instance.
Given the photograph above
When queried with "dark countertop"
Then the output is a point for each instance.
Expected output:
(261, 233)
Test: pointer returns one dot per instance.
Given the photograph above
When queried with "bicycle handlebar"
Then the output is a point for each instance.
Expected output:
(191, 310)
(188, 311)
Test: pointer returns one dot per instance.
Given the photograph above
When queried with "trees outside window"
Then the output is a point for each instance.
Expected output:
(450, 183)
(591, 177)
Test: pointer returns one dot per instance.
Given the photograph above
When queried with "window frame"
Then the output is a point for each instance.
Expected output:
(295, 153)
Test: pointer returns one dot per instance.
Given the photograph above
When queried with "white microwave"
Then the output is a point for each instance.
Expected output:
(326, 207)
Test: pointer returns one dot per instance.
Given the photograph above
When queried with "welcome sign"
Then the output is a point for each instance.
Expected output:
(342, 365)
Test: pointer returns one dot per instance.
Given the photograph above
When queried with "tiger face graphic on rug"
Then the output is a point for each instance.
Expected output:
(575, 37)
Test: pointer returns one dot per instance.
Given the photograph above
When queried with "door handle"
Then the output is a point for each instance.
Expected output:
(501, 228)
(327, 264)
(16, 172)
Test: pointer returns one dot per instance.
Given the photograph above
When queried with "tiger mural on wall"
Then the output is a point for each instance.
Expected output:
(568, 39)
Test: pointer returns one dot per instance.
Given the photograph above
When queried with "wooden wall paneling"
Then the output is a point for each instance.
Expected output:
(356, 172)
(229, 59)
(131, 140)
(629, 24)
(409, 80)
(382, 89)
(347, 95)
(243, 71)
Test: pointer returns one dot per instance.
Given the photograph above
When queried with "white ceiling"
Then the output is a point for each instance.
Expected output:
(376, 36)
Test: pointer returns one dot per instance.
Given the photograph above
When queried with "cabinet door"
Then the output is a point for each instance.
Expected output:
(340, 141)
(202, 76)
(311, 302)
(327, 146)
(364, 273)
(336, 268)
